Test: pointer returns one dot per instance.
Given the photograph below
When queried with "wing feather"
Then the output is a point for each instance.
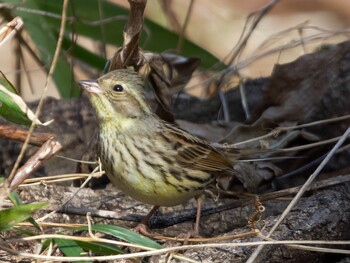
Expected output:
(194, 152)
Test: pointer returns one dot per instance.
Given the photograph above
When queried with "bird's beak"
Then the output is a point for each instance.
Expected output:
(90, 86)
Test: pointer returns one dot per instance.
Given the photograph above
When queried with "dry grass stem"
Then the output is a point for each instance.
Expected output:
(41, 101)
(278, 130)
(152, 252)
(72, 196)
(58, 178)
(10, 30)
(302, 190)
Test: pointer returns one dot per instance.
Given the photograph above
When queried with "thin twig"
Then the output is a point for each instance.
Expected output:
(184, 27)
(74, 194)
(324, 35)
(63, 176)
(225, 107)
(293, 43)
(59, 178)
(302, 190)
(238, 48)
(6, 13)
(278, 130)
(303, 247)
(257, 16)
(97, 22)
(244, 100)
(171, 249)
(18, 57)
(85, 239)
(41, 101)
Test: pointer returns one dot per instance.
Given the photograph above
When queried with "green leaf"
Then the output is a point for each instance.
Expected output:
(45, 244)
(12, 106)
(7, 84)
(25, 231)
(45, 38)
(83, 54)
(16, 200)
(10, 110)
(100, 248)
(124, 234)
(12, 216)
(69, 248)
(100, 21)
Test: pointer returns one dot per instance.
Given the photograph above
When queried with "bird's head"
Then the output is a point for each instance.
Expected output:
(117, 96)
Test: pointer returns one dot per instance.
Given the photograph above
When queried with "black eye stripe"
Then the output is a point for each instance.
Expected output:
(118, 88)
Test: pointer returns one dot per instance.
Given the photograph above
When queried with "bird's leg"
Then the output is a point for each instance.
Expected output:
(142, 226)
(199, 200)
(195, 231)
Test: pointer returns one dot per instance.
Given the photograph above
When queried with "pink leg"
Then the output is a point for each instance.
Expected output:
(142, 226)
(198, 217)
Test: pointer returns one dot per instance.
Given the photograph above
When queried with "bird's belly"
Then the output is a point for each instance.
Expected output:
(144, 182)
(149, 191)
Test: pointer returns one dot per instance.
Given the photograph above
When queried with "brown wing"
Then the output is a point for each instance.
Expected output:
(194, 152)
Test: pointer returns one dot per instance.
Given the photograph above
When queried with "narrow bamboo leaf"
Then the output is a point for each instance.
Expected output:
(109, 28)
(11, 111)
(14, 109)
(25, 231)
(46, 243)
(100, 248)
(12, 106)
(7, 84)
(69, 248)
(43, 28)
(45, 38)
(124, 234)
(16, 200)
(158, 40)
(12, 216)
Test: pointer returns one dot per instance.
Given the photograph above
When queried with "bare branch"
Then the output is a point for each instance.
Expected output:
(46, 151)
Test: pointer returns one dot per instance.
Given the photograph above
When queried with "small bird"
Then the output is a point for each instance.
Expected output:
(149, 159)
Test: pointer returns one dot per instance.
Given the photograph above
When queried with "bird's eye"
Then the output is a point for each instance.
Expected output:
(118, 88)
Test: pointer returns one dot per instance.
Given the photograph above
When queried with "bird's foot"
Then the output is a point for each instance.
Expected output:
(143, 230)
(184, 237)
